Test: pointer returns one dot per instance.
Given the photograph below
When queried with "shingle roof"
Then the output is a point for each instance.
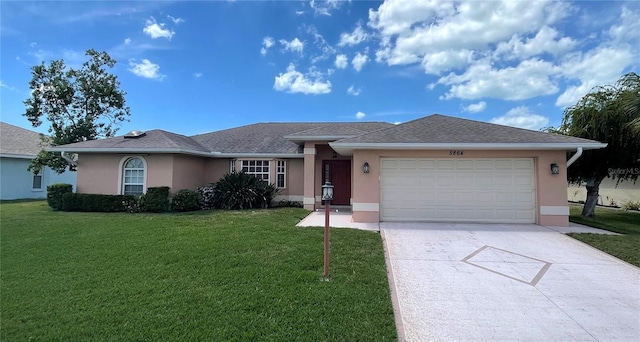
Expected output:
(342, 129)
(270, 137)
(445, 129)
(18, 141)
(154, 139)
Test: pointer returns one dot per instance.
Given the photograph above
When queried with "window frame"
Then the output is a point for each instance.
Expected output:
(123, 174)
(33, 180)
(281, 169)
(264, 163)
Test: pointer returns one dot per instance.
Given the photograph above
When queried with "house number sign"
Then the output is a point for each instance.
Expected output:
(456, 152)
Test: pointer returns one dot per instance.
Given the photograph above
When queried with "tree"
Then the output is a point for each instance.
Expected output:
(608, 114)
(81, 104)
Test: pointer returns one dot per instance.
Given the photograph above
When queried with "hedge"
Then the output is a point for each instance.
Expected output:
(156, 200)
(97, 203)
(55, 193)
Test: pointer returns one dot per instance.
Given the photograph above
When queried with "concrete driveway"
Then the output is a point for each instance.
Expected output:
(480, 282)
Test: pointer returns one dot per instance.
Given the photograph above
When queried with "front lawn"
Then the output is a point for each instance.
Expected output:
(205, 276)
(625, 247)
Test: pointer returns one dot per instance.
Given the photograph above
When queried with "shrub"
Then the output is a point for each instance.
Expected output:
(265, 193)
(239, 190)
(156, 200)
(631, 205)
(55, 193)
(207, 197)
(186, 200)
(97, 202)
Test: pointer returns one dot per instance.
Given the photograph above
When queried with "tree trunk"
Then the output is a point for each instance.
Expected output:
(593, 187)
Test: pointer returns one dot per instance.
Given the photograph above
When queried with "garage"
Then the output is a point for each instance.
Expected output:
(497, 190)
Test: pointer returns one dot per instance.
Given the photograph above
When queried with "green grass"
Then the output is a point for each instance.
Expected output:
(625, 247)
(212, 275)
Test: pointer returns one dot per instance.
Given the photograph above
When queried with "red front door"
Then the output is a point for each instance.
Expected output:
(339, 174)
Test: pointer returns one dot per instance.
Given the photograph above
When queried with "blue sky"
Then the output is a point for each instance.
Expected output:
(193, 67)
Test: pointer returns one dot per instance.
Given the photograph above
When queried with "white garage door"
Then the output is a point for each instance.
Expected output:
(457, 190)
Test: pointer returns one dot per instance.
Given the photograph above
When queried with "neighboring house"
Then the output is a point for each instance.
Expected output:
(18, 146)
(436, 168)
(610, 193)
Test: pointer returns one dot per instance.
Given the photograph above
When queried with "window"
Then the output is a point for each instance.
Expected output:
(133, 177)
(232, 165)
(37, 181)
(258, 168)
(281, 172)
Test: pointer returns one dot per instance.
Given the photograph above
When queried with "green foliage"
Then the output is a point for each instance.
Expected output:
(239, 190)
(265, 194)
(631, 205)
(55, 194)
(207, 197)
(186, 200)
(156, 200)
(604, 115)
(97, 202)
(81, 104)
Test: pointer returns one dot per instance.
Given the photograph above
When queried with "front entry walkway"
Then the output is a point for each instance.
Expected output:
(500, 282)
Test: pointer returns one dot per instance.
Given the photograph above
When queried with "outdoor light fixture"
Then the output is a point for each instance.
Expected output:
(327, 191)
(365, 167)
(327, 196)
(555, 169)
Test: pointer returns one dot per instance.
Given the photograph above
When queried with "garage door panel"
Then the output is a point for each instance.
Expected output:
(472, 190)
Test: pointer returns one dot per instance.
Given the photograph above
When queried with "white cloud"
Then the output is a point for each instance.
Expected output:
(435, 32)
(197, 74)
(358, 61)
(127, 41)
(146, 69)
(4, 85)
(360, 115)
(353, 91)
(321, 44)
(267, 42)
(545, 41)
(522, 117)
(354, 38)
(294, 81)
(600, 66)
(476, 107)
(529, 79)
(627, 28)
(341, 61)
(299, 12)
(325, 7)
(176, 20)
(155, 30)
(295, 45)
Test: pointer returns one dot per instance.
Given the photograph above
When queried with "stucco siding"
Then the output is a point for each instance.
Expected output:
(16, 182)
(98, 173)
(188, 172)
(214, 169)
(160, 170)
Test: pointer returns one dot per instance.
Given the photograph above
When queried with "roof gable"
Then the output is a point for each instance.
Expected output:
(16, 140)
(440, 129)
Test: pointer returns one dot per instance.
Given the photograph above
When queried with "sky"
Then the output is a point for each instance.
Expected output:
(191, 67)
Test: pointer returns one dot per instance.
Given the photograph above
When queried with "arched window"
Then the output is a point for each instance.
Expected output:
(133, 177)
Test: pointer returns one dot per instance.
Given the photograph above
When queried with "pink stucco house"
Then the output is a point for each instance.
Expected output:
(436, 168)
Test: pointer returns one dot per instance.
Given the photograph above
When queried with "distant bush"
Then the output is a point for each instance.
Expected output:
(631, 205)
(156, 200)
(97, 202)
(55, 193)
(207, 197)
(239, 190)
(186, 200)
